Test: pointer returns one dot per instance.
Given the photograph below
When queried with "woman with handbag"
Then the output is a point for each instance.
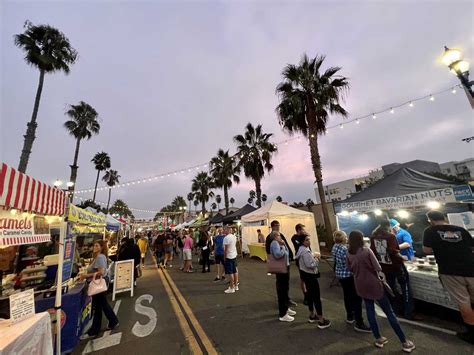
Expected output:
(97, 274)
(308, 262)
(278, 263)
(370, 285)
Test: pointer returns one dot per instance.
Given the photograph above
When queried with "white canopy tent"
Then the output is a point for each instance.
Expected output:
(288, 218)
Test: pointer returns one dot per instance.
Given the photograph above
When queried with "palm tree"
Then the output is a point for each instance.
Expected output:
(255, 154)
(213, 207)
(82, 125)
(102, 162)
(309, 204)
(252, 194)
(48, 50)
(111, 178)
(201, 188)
(178, 202)
(196, 203)
(307, 97)
(190, 197)
(218, 201)
(224, 171)
(264, 198)
(250, 201)
(279, 199)
(232, 201)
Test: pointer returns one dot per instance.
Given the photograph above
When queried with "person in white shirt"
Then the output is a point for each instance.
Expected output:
(230, 260)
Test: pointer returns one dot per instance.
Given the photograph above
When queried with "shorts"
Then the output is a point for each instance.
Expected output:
(187, 254)
(168, 250)
(460, 288)
(230, 266)
(143, 255)
(219, 259)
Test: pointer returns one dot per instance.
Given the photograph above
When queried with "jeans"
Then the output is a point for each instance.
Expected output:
(402, 302)
(282, 287)
(159, 256)
(99, 305)
(313, 294)
(206, 262)
(352, 301)
(384, 303)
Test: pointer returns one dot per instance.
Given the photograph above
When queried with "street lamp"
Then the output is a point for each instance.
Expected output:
(452, 58)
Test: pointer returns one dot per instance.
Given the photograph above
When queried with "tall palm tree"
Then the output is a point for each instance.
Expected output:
(232, 201)
(309, 204)
(48, 50)
(196, 203)
(83, 124)
(224, 171)
(218, 199)
(201, 188)
(250, 201)
(102, 162)
(255, 152)
(307, 97)
(264, 198)
(190, 198)
(111, 178)
(279, 198)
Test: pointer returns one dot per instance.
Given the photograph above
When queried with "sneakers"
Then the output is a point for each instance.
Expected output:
(216, 279)
(408, 346)
(292, 303)
(350, 320)
(466, 336)
(362, 328)
(286, 318)
(86, 336)
(237, 287)
(290, 312)
(112, 327)
(323, 324)
(380, 342)
(312, 319)
(230, 290)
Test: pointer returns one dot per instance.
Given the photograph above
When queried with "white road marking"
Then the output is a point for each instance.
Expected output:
(107, 340)
(143, 330)
(380, 313)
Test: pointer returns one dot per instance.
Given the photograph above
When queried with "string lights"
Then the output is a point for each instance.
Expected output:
(203, 166)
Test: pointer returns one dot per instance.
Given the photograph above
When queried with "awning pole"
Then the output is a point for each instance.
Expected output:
(59, 278)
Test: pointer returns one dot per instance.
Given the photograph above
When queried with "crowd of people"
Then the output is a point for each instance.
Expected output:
(370, 270)
(373, 271)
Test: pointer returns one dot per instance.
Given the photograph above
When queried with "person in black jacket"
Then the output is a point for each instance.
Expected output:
(275, 225)
(129, 250)
(204, 244)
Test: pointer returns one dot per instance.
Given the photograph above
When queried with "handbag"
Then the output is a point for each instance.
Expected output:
(96, 286)
(276, 266)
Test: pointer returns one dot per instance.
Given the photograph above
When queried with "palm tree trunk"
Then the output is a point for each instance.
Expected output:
(226, 200)
(203, 207)
(74, 169)
(108, 201)
(96, 183)
(258, 191)
(316, 163)
(31, 128)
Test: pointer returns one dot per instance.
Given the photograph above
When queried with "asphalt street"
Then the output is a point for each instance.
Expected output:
(194, 315)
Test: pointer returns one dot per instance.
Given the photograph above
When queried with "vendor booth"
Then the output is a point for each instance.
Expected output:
(27, 208)
(261, 218)
(406, 195)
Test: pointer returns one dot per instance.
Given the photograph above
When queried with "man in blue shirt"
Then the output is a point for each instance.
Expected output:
(405, 241)
(219, 254)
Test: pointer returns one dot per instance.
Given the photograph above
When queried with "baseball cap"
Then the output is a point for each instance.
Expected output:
(394, 223)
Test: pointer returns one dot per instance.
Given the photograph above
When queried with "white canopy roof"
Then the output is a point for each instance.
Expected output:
(273, 210)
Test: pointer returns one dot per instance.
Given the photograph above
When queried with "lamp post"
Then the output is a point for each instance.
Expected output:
(452, 58)
(183, 211)
(58, 183)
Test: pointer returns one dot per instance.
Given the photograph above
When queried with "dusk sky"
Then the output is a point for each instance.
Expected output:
(174, 81)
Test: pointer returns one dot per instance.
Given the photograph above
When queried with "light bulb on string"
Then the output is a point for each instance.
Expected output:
(357, 121)
(392, 110)
(453, 91)
(410, 104)
(374, 116)
(432, 98)
(341, 126)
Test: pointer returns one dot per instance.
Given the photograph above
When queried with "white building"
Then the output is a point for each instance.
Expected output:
(341, 190)
(463, 169)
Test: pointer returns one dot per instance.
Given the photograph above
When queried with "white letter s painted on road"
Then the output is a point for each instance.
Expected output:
(143, 330)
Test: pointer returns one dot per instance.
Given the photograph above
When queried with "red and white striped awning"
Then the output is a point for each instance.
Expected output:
(19, 191)
(31, 239)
